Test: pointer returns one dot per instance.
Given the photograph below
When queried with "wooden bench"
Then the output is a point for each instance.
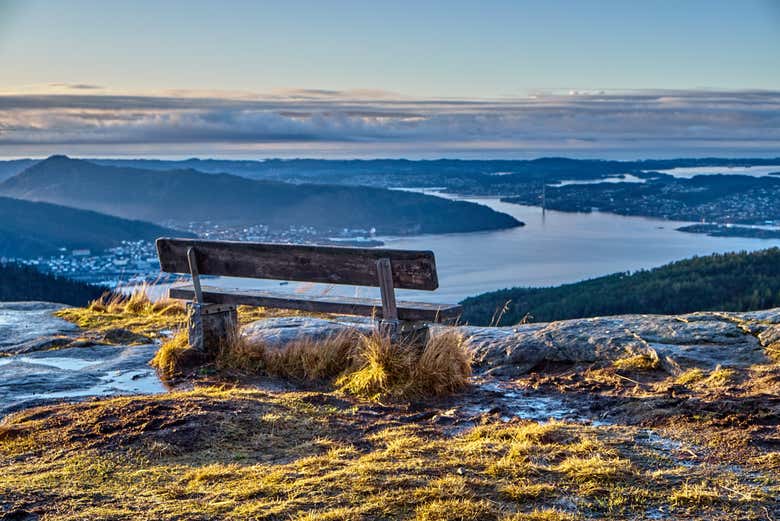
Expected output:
(383, 268)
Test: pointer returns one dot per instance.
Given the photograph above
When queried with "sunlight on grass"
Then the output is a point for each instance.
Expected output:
(242, 454)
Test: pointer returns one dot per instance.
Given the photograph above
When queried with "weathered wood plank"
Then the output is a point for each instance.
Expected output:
(192, 261)
(412, 311)
(323, 264)
(385, 273)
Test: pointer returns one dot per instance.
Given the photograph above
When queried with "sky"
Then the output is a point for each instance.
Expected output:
(487, 79)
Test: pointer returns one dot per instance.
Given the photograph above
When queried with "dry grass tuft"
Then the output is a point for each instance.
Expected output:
(541, 515)
(690, 376)
(637, 363)
(135, 312)
(697, 494)
(305, 359)
(721, 377)
(370, 366)
(387, 369)
(456, 510)
(174, 356)
(444, 366)
(314, 360)
(595, 468)
(383, 368)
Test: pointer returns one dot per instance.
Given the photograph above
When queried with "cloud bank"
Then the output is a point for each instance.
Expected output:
(89, 120)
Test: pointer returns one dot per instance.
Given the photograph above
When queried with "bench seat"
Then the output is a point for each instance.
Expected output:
(412, 311)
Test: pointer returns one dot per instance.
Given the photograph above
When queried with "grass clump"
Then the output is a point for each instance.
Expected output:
(303, 359)
(371, 366)
(595, 468)
(637, 363)
(383, 368)
(720, 377)
(690, 376)
(696, 494)
(541, 515)
(174, 356)
(456, 510)
(134, 311)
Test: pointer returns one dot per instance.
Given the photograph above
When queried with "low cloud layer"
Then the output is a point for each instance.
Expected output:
(88, 120)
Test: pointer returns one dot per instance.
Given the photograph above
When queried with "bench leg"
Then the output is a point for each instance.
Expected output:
(405, 332)
(209, 326)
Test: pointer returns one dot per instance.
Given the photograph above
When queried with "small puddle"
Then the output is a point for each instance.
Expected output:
(507, 402)
(514, 402)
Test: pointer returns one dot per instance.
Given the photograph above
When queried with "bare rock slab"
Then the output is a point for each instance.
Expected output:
(25, 325)
(76, 372)
(704, 340)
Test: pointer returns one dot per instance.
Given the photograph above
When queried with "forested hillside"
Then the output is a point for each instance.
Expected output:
(19, 282)
(29, 229)
(184, 196)
(731, 281)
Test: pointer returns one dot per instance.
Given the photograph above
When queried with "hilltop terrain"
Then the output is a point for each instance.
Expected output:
(635, 417)
(184, 196)
(727, 282)
(34, 229)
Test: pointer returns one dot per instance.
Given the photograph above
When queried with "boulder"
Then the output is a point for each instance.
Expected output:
(278, 332)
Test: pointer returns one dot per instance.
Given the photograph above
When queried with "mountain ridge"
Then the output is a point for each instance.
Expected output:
(34, 229)
(184, 196)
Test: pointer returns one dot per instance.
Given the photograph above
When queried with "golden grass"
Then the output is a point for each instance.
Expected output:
(637, 363)
(595, 468)
(690, 376)
(138, 313)
(387, 369)
(370, 366)
(216, 453)
(696, 494)
(135, 312)
(170, 360)
(720, 377)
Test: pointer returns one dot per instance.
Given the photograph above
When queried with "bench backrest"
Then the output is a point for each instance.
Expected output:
(325, 264)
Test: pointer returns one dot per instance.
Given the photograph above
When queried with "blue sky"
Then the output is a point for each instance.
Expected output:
(365, 78)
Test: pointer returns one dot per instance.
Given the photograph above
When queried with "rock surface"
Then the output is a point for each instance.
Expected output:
(35, 369)
(25, 326)
(76, 372)
(705, 339)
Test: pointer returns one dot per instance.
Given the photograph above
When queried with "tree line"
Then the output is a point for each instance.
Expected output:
(721, 282)
(19, 282)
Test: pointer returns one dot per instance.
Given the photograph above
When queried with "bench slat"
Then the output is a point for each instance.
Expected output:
(323, 264)
(415, 311)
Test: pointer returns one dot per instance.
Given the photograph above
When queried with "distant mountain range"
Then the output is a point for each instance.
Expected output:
(29, 229)
(452, 173)
(720, 282)
(183, 196)
(14, 166)
(439, 172)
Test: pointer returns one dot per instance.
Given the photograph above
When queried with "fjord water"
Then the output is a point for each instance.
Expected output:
(552, 248)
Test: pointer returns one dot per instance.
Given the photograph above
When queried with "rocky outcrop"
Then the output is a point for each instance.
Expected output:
(28, 326)
(76, 372)
(36, 369)
(704, 339)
